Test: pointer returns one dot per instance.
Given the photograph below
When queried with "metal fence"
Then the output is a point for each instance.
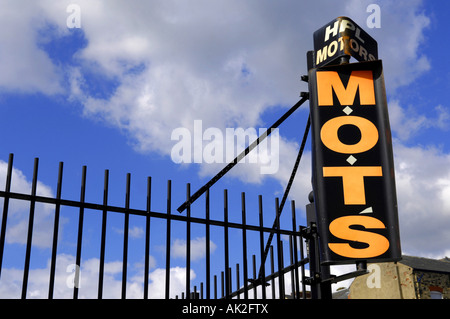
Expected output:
(267, 279)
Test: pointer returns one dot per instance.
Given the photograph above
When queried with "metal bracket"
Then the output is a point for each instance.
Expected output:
(308, 232)
(316, 279)
(257, 282)
(350, 275)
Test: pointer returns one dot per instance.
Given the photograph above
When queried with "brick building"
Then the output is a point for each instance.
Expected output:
(410, 278)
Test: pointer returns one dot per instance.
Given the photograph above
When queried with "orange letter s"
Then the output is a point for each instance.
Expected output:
(340, 227)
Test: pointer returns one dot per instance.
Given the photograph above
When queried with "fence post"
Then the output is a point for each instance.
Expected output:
(320, 287)
(169, 201)
(244, 246)
(80, 234)
(55, 232)
(227, 262)
(103, 235)
(208, 247)
(5, 208)
(147, 237)
(26, 267)
(188, 244)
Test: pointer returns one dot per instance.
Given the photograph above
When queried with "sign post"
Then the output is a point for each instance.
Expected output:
(353, 171)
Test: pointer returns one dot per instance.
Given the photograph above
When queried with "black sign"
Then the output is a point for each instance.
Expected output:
(343, 37)
(353, 170)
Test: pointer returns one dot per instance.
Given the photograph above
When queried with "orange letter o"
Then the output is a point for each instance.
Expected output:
(329, 134)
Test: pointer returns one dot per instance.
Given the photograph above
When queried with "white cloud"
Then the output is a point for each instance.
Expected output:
(133, 232)
(193, 63)
(17, 223)
(400, 38)
(178, 248)
(224, 62)
(38, 283)
(177, 282)
(263, 161)
(339, 270)
(422, 180)
(136, 232)
(407, 123)
(26, 67)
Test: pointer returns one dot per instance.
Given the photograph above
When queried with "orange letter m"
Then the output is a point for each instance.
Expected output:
(327, 81)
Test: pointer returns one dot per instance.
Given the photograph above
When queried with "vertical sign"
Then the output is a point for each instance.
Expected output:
(353, 170)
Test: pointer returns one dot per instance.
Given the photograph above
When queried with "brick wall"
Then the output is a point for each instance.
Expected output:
(430, 281)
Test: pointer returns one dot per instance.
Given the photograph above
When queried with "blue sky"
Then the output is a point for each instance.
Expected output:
(109, 93)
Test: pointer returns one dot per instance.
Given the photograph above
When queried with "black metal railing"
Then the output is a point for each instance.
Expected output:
(237, 284)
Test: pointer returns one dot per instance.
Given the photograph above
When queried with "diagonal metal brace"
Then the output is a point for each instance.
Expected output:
(286, 193)
(230, 165)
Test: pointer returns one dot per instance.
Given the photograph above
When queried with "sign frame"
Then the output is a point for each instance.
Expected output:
(353, 170)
